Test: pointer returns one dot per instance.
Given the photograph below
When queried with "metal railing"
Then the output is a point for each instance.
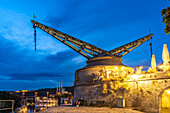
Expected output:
(12, 107)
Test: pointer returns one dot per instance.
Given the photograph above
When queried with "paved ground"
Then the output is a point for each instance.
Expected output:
(72, 109)
(165, 110)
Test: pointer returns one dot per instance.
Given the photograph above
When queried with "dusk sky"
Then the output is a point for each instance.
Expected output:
(106, 24)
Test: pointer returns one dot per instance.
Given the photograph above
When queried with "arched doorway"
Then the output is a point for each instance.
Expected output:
(164, 101)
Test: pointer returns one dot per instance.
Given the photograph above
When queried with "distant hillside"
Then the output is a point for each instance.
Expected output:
(53, 90)
(43, 91)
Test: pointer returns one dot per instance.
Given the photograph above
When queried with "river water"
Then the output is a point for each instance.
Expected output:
(30, 109)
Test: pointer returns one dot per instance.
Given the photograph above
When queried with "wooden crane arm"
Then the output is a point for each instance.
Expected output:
(123, 50)
(83, 48)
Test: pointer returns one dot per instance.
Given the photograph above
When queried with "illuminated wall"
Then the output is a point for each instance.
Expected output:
(166, 99)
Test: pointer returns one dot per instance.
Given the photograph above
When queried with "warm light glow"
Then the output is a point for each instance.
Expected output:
(124, 71)
(139, 69)
(161, 67)
(122, 67)
(108, 72)
(116, 72)
(116, 67)
(168, 92)
(135, 77)
(145, 82)
(18, 91)
(166, 99)
(24, 90)
(153, 62)
(165, 55)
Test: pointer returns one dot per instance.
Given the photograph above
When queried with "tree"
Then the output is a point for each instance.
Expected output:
(166, 19)
(5, 95)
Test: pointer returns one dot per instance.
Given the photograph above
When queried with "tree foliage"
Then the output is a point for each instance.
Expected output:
(166, 19)
(63, 96)
(4, 95)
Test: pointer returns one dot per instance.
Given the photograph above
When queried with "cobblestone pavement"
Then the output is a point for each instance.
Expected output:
(72, 109)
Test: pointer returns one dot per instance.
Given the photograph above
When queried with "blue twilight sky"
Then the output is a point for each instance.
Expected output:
(104, 23)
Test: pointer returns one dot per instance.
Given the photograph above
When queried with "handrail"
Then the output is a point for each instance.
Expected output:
(12, 108)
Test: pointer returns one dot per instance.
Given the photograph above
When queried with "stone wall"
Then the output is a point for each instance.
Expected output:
(147, 93)
(143, 92)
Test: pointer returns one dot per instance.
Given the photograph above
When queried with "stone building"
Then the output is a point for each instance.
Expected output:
(102, 82)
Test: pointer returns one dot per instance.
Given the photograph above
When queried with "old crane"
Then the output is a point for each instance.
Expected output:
(103, 67)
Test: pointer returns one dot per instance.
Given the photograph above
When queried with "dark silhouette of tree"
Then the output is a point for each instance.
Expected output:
(5, 95)
(166, 19)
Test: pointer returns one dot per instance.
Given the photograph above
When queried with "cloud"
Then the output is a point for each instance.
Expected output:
(36, 76)
(63, 55)
(17, 28)
(19, 61)
(17, 64)
(14, 85)
(99, 22)
(103, 15)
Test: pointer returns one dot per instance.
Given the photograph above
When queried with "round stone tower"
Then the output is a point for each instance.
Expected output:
(92, 81)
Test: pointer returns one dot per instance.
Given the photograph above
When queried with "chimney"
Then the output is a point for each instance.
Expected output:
(57, 88)
(61, 87)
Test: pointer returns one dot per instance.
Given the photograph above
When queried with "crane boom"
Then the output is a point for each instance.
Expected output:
(87, 50)
(125, 49)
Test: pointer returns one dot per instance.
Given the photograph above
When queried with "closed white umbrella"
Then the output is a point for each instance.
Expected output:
(165, 55)
(153, 62)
